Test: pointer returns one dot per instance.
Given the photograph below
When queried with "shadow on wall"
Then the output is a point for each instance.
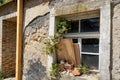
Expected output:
(36, 70)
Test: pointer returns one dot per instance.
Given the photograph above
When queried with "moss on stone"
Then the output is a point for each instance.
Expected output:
(71, 9)
(82, 8)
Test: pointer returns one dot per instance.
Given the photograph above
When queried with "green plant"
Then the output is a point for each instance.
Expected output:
(84, 69)
(50, 45)
(62, 27)
(1, 75)
(55, 70)
(3, 1)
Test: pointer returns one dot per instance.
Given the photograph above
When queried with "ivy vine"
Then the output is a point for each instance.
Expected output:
(62, 27)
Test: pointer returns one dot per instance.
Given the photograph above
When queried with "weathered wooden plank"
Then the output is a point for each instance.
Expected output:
(66, 51)
(77, 54)
(62, 53)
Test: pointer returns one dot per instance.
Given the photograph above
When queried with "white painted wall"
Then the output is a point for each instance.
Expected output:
(105, 33)
(51, 58)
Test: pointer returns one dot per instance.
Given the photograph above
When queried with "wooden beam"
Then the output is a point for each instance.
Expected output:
(19, 40)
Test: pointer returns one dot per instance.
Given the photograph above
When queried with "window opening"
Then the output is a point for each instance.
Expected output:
(89, 45)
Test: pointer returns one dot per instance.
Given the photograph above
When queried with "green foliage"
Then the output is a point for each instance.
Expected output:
(54, 41)
(62, 27)
(84, 69)
(55, 70)
(1, 76)
(50, 45)
(3, 1)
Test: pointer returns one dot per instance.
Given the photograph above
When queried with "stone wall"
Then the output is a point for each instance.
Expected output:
(69, 7)
(34, 57)
(36, 30)
(62, 7)
(116, 42)
(86, 5)
(8, 8)
(34, 8)
(9, 48)
(61, 3)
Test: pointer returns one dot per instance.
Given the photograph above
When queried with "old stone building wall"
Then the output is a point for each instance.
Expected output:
(36, 27)
(115, 60)
(8, 48)
(32, 9)
(62, 7)
(34, 57)
(70, 8)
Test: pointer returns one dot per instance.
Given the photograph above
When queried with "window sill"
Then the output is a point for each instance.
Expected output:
(89, 53)
(83, 35)
(91, 76)
(94, 71)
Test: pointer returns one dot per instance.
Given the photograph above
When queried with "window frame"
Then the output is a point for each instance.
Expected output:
(86, 35)
(105, 30)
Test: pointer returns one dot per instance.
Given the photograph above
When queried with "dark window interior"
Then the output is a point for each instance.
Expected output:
(75, 40)
(74, 26)
(90, 25)
(90, 45)
(91, 61)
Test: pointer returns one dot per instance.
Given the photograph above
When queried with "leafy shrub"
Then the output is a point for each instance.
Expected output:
(55, 70)
(3, 1)
(1, 75)
(62, 27)
(83, 69)
(50, 45)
